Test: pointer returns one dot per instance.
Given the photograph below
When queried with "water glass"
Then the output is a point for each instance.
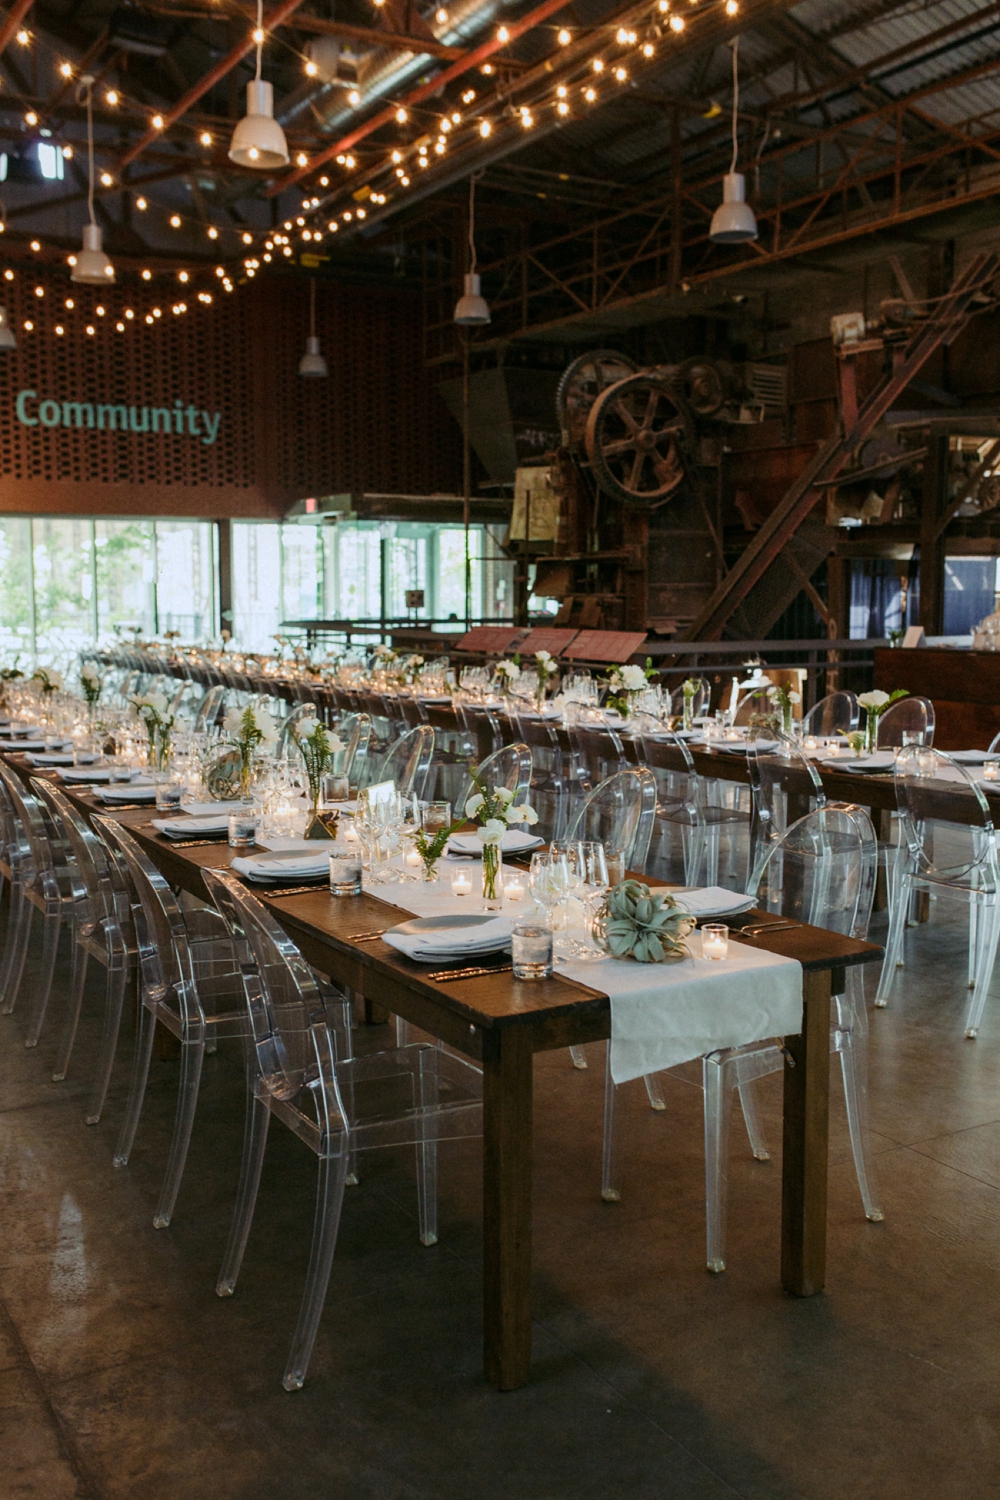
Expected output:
(345, 870)
(614, 860)
(911, 737)
(168, 795)
(531, 951)
(336, 788)
(435, 816)
(244, 825)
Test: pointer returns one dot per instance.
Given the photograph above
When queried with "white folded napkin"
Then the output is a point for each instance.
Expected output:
(179, 828)
(440, 943)
(514, 839)
(83, 774)
(133, 791)
(969, 757)
(22, 745)
(296, 865)
(208, 809)
(54, 758)
(713, 901)
(879, 760)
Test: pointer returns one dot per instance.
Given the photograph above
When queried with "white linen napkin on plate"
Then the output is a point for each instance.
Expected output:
(132, 791)
(665, 1014)
(85, 774)
(23, 745)
(442, 944)
(52, 758)
(515, 840)
(713, 901)
(181, 828)
(208, 809)
(293, 865)
(969, 757)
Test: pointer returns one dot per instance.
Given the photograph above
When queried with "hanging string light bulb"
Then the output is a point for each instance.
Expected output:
(472, 309)
(258, 140)
(312, 362)
(92, 265)
(733, 222)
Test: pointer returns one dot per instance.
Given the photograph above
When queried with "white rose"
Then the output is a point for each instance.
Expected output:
(543, 656)
(336, 743)
(795, 697)
(633, 678)
(306, 728)
(233, 721)
(874, 699)
(522, 814)
(492, 832)
(474, 804)
(503, 794)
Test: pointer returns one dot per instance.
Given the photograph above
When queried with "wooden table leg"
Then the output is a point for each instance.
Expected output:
(507, 1126)
(804, 1164)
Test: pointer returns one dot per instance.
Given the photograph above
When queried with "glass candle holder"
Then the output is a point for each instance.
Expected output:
(515, 885)
(244, 825)
(345, 870)
(991, 768)
(461, 882)
(531, 951)
(715, 940)
(335, 788)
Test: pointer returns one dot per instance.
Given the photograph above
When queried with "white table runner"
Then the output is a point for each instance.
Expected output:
(665, 1014)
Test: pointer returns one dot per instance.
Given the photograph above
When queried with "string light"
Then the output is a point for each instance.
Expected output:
(258, 35)
(562, 107)
(23, 37)
(503, 35)
(129, 314)
(485, 129)
(732, 7)
(39, 291)
(441, 16)
(68, 153)
(91, 330)
(649, 49)
(598, 65)
(205, 138)
(311, 68)
(8, 276)
(100, 311)
(111, 97)
(564, 38)
(213, 233)
(401, 116)
(157, 122)
(66, 70)
(621, 75)
(70, 303)
(302, 160)
(29, 325)
(147, 275)
(141, 204)
(676, 23)
(590, 95)
(106, 179)
(486, 68)
(247, 238)
(175, 221)
(467, 98)
(120, 327)
(31, 118)
(183, 276)
(35, 246)
(354, 98)
(60, 330)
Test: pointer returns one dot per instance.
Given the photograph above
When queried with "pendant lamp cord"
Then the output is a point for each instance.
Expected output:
(735, 44)
(84, 95)
(260, 35)
(473, 179)
(312, 307)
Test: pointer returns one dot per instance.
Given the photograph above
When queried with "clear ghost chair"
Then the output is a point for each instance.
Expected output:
(17, 869)
(906, 716)
(684, 802)
(103, 929)
(190, 981)
(408, 763)
(421, 1094)
(700, 700)
(620, 814)
(754, 707)
(481, 727)
(45, 872)
(929, 784)
(598, 748)
(355, 730)
(821, 871)
(509, 767)
(778, 770)
(549, 794)
(837, 713)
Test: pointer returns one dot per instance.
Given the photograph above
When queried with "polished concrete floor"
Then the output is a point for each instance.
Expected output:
(123, 1375)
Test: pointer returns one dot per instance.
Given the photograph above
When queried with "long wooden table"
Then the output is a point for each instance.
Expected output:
(502, 1023)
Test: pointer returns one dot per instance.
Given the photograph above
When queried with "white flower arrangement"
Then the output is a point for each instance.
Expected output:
(91, 681)
(495, 811)
(50, 680)
(545, 663)
(384, 654)
(508, 669)
(153, 710)
(633, 678)
(252, 732)
(317, 747)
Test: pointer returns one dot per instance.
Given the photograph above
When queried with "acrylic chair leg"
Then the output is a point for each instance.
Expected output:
(51, 928)
(894, 942)
(402, 1032)
(258, 1117)
(137, 1088)
(329, 1201)
(427, 1151)
(578, 1059)
(989, 934)
(656, 1099)
(610, 1166)
(192, 1056)
(118, 976)
(718, 1114)
(68, 1037)
(10, 970)
(751, 1118)
(21, 939)
(712, 854)
(973, 939)
(852, 1044)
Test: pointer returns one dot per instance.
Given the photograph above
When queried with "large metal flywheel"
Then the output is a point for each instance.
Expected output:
(637, 434)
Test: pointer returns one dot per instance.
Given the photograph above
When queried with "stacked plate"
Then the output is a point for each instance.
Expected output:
(285, 868)
(514, 841)
(435, 940)
(193, 828)
(713, 901)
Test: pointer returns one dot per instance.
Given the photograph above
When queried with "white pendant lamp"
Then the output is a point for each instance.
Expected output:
(258, 140)
(7, 339)
(93, 268)
(312, 364)
(472, 310)
(733, 222)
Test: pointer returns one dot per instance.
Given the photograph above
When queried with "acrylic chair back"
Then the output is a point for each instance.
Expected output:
(822, 870)
(754, 707)
(906, 716)
(778, 771)
(700, 700)
(930, 787)
(408, 763)
(620, 814)
(837, 713)
(599, 750)
(509, 767)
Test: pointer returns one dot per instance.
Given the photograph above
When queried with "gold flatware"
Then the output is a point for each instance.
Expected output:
(442, 976)
(758, 929)
(366, 937)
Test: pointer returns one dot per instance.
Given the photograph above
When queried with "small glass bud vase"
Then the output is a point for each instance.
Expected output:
(492, 883)
(787, 720)
(871, 731)
(687, 713)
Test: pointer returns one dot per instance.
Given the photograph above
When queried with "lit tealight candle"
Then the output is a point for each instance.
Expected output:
(513, 886)
(811, 742)
(991, 770)
(413, 859)
(461, 883)
(715, 940)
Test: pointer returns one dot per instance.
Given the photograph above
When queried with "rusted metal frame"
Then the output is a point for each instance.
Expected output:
(636, 257)
(841, 181)
(396, 41)
(562, 287)
(208, 81)
(969, 488)
(951, 315)
(960, 135)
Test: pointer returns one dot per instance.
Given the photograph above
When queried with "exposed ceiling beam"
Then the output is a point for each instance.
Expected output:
(209, 80)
